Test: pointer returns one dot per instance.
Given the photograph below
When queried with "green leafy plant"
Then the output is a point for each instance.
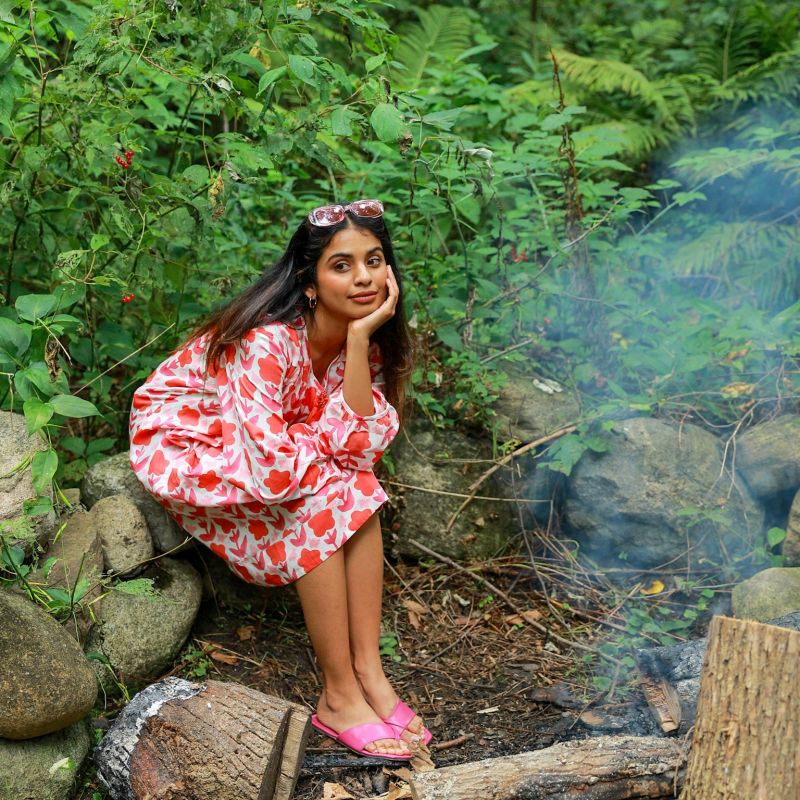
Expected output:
(388, 646)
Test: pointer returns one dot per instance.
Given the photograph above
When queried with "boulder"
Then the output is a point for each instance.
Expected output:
(114, 475)
(141, 635)
(768, 456)
(123, 532)
(659, 496)
(768, 594)
(77, 556)
(791, 544)
(46, 682)
(543, 488)
(448, 461)
(17, 485)
(530, 407)
(44, 768)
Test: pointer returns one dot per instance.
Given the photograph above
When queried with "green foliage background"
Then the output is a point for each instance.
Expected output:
(606, 191)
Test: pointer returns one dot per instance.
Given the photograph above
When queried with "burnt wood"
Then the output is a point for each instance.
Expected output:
(680, 666)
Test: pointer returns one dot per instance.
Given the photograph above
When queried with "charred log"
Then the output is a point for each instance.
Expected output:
(679, 667)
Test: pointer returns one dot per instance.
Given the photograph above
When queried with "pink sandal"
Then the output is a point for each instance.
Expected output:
(401, 715)
(357, 737)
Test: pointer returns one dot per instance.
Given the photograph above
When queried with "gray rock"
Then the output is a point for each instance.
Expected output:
(791, 544)
(440, 460)
(44, 768)
(78, 557)
(770, 593)
(544, 490)
(123, 531)
(141, 635)
(17, 485)
(115, 475)
(768, 456)
(530, 407)
(627, 503)
(46, 682)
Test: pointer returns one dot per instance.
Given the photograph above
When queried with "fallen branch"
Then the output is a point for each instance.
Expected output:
(601, 768)
(501, 463)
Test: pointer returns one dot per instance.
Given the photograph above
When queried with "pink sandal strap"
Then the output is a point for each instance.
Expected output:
(401, 716)
(359, 736)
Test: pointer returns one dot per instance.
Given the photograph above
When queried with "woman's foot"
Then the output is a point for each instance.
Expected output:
(341, 713)
(383, 699)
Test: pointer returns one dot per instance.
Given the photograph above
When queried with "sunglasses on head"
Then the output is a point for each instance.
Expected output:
(324, 216)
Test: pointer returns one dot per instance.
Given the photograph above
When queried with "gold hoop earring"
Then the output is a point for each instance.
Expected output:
(312, 302)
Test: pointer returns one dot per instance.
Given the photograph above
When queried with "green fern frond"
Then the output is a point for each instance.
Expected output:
(731, 49)
(658, 32)
(774, 78)
(627, 136)
(608, 75)
(441, 34)
(709, 165)
(722, 247)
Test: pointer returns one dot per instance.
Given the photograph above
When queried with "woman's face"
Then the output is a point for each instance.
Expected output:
(351, 275)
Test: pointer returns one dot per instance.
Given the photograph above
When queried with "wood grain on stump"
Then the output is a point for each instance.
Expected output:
(178, 740)
(224, 743)
(747, 736)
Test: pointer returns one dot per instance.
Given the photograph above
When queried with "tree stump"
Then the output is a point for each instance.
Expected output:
(748, 715)
(214, 741)
(602, 768)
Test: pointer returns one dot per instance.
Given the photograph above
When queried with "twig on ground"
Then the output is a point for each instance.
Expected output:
(452, 742)
(513, 606)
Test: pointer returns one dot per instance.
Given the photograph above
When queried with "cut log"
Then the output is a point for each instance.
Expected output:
(183, 741)
(602, 768)
(680, 666)
(745, 741)
(294, 747)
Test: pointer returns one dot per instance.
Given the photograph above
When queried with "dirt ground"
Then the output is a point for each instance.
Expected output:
(454, 647)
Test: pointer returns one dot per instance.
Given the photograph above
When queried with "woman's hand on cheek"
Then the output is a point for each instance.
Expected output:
(366, 326)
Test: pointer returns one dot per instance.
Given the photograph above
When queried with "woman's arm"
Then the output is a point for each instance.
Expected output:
(357, 383)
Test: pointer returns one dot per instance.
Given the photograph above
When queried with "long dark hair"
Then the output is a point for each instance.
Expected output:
(278, 296)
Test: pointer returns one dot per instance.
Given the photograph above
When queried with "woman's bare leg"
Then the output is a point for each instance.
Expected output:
(363, 564)
(323, 596)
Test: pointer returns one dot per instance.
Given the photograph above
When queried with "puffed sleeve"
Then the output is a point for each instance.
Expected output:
(356, 441)
(280, 462)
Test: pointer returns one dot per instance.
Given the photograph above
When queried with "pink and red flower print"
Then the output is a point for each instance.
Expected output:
(259, 460)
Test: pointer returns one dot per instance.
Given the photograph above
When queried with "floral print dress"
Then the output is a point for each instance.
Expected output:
(262, 462)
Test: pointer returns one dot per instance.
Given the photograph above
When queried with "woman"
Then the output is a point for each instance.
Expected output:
(259, 436)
